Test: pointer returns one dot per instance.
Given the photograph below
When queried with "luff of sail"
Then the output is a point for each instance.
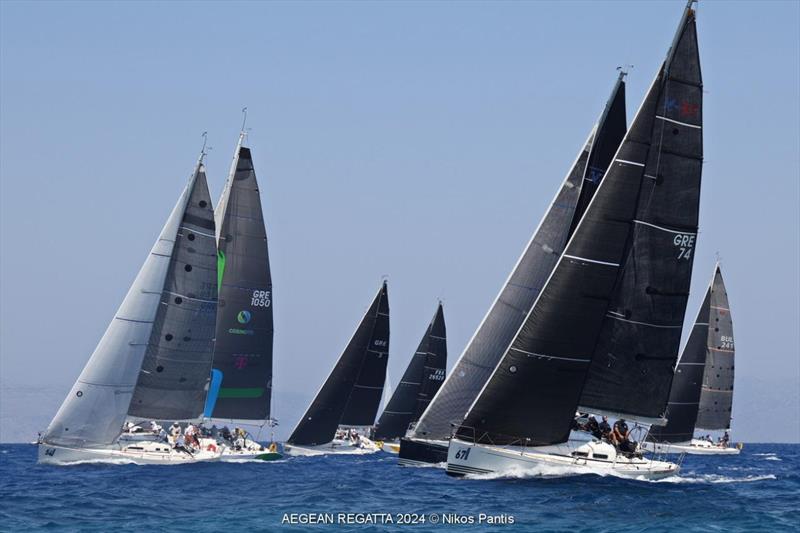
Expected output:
(244, 329)
(533, 392)
(632, 366)
(96, 407)
(370, 340)
(684, 397)
(716, 398)
(521, 289)
(173, 380)
(422, 378)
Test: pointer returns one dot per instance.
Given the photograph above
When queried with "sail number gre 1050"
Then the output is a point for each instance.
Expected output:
(261, 299)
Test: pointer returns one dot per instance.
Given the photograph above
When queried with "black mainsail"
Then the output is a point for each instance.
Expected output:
(684, 397)
(641, 221)
(422, 378)
(716, 398)
(174, 375)
(632, 365)
(352, 393)
(521, 289)
(244, 328)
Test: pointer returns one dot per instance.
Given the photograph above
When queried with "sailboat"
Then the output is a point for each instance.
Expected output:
(702, 389)
(154, 360)
(344, 409)
(428, 441)
(241, 387)
(422, 378)
(613, 305)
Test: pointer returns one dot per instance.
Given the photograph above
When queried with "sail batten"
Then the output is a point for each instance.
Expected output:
(529, 274)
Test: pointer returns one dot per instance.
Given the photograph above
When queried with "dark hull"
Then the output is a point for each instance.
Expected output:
(414, 452)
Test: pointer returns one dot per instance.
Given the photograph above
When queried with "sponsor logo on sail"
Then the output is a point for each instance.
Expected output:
(244, 317)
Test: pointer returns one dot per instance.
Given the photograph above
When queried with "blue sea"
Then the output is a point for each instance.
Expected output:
(757, 490)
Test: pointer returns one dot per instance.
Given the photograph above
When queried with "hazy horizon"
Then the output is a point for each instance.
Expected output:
(421, 141)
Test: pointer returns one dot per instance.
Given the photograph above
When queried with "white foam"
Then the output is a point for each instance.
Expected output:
(539, 471)
(712, 478)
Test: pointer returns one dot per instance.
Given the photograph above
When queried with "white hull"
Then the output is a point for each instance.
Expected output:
(335, 447)
(140, 454)
(694, 447)
(552, 461)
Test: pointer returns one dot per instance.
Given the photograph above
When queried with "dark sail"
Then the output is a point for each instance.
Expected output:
(244, 331)
(422, 378)
(173, 380)
(716, 398)
(515, 299)
(369, 343)
(632, 367)
(632, 221)
(684, 398)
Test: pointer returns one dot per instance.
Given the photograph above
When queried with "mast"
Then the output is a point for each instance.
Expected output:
(368, 345)
(243, 354)
(522, 287)
(716, 398)
(96, 407)
(648, 197)
(632, 364)
(422, 378)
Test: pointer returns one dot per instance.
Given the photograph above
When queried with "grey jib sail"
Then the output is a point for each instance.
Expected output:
(632, 367)
(516, 297)
(422, 378)
(532, 395)
(716, 398)
(356, 381)
(244, 331)
(684, 398)
(96, 407)
(174, 376)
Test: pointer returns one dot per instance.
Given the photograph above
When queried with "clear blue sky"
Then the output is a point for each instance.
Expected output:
(418, 140)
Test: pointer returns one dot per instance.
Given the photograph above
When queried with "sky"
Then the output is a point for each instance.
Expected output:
(416, 140)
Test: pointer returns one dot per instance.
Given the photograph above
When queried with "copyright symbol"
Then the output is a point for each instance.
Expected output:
(434, 518)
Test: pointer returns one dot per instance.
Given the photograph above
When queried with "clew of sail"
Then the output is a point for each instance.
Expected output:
(422, 378)
(96, 407)
(521, 289)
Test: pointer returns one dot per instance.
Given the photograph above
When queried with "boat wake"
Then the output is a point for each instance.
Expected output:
(768, 456)
(539, 471)
(713, 479)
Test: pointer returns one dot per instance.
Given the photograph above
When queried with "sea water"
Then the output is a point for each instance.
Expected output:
(757, 490)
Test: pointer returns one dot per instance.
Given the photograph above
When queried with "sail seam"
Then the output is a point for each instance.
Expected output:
(629, 162)
(663, 228)
(541, 355)
(679, 122)
(133, 320)
(643, 323)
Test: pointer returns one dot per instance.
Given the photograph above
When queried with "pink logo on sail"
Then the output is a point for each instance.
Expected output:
(239, 361)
